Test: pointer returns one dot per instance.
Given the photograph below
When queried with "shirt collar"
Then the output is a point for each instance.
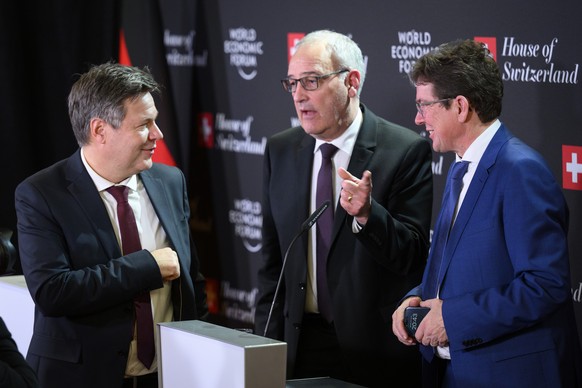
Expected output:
(102, 183)
(478, 147)
(346, 141)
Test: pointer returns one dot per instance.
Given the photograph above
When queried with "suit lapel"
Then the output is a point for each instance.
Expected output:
(159, 200)
(303, 167)
(83, 190)
(360, 159)
(475, 188)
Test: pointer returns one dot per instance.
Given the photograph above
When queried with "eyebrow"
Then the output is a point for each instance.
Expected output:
(305, 74)
(146, 120)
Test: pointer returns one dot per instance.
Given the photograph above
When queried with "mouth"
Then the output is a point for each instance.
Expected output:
(429, 133)
(308, 114)
(150, 150)
(306, 111)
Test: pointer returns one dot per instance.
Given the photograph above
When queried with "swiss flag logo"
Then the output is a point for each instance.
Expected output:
(572, 167)
(490, 42)
(206, 130)
(292, 39)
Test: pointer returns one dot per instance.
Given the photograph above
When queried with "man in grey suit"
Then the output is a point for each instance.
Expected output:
(381, 204)
(72, 244)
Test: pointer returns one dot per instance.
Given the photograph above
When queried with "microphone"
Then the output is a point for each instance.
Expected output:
(312, 219)
(304, 227)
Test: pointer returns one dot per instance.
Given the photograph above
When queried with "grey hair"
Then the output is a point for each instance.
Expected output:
(344, 52)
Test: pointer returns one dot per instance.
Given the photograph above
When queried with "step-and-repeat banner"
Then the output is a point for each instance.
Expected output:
(225, 60)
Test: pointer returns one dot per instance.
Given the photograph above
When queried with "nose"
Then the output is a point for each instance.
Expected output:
(299, 93)
(418, 119)
(155, 132)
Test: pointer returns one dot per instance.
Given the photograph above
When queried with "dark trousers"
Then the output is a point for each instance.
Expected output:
(145, 381)
(318, 350)
(437, 374)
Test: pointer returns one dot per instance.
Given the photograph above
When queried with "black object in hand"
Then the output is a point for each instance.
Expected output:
(412, 318)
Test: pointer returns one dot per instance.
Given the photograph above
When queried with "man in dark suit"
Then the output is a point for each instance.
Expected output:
(501, 311)
(382, 198)
(14, 370)
(72, 245)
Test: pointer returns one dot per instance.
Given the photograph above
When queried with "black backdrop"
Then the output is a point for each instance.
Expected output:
(225, 58)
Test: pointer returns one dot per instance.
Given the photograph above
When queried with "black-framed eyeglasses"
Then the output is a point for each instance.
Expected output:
(310, 82)
(420, 106)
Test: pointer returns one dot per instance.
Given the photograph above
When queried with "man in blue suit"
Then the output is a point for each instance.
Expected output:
(501, 314)
(78, 268)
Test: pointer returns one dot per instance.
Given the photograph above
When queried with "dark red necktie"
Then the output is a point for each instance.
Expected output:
(324, 229)
(130, 243)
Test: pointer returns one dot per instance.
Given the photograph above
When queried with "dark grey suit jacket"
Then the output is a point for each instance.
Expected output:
(81, 284)
(368, 272)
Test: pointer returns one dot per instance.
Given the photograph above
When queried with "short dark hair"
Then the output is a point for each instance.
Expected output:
(102, 91)
(466, 68)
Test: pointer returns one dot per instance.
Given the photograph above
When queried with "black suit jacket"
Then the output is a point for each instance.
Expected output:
(81, 284)
(14, 370)
(368, 272)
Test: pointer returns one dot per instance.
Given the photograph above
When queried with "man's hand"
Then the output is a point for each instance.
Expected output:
(167, 260)
(398, 321)
(356, 195)
(431, 331)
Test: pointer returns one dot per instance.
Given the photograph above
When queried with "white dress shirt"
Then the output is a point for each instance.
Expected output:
(345, 144)
(152, 236)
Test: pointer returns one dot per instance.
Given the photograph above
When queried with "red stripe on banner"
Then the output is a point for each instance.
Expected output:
(162, 153)
(123, 52)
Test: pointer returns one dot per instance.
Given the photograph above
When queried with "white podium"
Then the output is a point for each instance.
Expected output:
(196, 354)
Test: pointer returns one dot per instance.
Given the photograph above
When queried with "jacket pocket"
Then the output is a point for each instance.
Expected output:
(534, 342)
(56, 348)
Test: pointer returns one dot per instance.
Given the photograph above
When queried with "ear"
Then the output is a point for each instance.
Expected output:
(97, 130)
(353, 83)
(463, 108)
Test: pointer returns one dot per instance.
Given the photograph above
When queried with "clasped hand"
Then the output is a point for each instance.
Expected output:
(430, 332)
(167, 260)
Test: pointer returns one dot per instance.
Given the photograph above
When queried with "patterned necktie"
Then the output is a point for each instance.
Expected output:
(130, 243)
(445, 221)
(324, 229)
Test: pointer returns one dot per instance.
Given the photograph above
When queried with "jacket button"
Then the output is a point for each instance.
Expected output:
(302, 286)
(473, 342)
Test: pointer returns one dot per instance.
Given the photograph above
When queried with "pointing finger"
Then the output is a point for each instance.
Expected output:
(345, 175)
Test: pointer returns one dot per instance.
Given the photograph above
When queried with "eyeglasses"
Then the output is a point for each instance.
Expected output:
(420, 106)
(310, 82)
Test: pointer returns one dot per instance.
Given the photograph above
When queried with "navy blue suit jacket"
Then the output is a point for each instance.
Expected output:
(505, 282)
(81, 283)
